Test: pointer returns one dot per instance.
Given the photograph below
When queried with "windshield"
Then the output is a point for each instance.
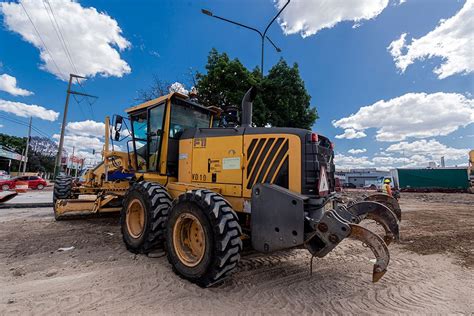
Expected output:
(185, 115)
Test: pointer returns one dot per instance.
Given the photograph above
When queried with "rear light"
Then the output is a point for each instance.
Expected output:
(314, 137)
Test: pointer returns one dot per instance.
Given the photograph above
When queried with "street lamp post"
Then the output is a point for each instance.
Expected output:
(263, 35)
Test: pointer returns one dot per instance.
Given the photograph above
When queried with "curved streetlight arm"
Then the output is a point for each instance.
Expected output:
(262, 35)
(275, 17)
(239, 24)
(209, 13)
(271, 42)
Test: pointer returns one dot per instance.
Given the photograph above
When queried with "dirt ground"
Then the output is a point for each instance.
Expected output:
(431, 270)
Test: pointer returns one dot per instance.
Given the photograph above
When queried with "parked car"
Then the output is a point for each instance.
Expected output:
(370, 187)
(349, 185)
(34, 182)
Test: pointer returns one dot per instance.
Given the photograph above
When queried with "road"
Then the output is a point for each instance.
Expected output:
(431, 270)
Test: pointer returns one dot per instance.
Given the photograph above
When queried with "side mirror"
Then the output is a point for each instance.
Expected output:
(117, 136)
(118, 124)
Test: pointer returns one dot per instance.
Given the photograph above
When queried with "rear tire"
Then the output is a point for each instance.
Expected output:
(143, 216)
(221, 237)
(62, 191)
(5, 187)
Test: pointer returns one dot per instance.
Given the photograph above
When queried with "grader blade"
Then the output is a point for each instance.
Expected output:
(379, 213)
(8, 197)
(388, 201)
(378, 247)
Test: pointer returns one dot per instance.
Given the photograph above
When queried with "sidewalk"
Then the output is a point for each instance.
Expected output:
(32, 198)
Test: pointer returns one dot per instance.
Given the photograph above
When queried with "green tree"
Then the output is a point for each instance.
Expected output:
(225, 82)
(13, 142)
(282, 99)
(286, 99)
(41, 153)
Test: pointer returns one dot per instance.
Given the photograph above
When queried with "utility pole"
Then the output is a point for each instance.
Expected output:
(21, 160)
(72, 160)
(57, 165)
(27, 145)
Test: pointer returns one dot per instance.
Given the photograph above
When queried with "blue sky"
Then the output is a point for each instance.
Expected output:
(414, 113)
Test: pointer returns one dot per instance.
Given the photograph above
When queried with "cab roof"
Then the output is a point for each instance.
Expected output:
(158, 100)
(166, 97)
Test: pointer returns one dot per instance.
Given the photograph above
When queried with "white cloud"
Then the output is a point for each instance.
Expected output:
(1, 125)
(350, 162)
(93, 38)
(86, 136)
(81, 143)
(432, 149)
(307, 17)
(390, 161)
(178, 87)
(351, 133)
(452, 40)
(27, 110)
(418, 115)
(405, 155)
(8, 84)
(380, 162)
(86, 128)
(356, 151)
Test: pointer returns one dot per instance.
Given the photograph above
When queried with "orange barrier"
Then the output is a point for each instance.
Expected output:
(21, 187)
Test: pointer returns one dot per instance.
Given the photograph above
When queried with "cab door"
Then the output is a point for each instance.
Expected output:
(155, 133)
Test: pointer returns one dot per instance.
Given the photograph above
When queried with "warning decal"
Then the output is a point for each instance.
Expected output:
(323, 182)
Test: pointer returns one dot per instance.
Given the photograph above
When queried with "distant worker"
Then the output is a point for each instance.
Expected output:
(386, 188)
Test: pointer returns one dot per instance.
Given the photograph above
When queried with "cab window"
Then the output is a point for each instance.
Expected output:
(156, 129)
(185, 115)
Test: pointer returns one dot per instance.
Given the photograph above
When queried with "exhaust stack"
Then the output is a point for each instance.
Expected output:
(247, 103)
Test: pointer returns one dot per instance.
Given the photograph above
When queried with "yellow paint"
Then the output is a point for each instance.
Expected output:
(185, 157)
(164, 139)
(294, 160)
(208, 160)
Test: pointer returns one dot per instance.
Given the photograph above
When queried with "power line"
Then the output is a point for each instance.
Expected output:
(41, 38)
(57, 29)
(25, 124)
(65, 47)
(36, 129)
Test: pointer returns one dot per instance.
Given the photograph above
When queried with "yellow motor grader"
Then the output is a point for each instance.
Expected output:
(197, 190)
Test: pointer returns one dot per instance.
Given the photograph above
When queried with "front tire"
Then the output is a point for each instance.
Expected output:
(5, 187)
(62, 191)
(203, 237)
(143, 216)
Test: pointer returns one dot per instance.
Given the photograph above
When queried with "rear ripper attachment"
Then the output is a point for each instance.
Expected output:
(319, 224)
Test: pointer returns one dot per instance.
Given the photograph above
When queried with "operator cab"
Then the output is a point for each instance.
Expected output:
(156, 127)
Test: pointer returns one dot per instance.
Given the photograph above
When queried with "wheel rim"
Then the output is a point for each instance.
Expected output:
(40, 187)
(135, 218)
(5, 187)
(188, 240)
